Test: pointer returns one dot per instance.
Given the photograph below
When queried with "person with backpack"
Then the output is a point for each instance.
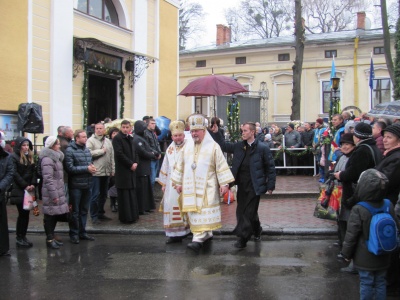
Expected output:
(364, 234)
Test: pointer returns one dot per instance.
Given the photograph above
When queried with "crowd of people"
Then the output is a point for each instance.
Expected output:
(76, 175)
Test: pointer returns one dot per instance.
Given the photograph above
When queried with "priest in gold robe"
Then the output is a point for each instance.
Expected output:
(175, 222)
(201, 176)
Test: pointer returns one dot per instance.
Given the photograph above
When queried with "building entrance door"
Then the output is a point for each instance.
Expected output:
(102, 102)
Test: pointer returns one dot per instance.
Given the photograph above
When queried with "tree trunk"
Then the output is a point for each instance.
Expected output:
(298, 63)
(386, 41)
(396, 93)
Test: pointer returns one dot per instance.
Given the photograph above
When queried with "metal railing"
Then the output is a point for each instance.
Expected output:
(273, 150)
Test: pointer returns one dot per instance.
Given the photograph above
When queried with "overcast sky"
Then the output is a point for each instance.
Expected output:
(214, 10)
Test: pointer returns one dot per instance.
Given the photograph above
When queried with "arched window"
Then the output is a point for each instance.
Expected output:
(101, 9)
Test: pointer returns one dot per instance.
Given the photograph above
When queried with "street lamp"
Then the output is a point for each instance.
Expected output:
(335, 101)
(264, 95)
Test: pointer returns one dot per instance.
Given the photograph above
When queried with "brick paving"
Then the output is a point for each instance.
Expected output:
(288, 211)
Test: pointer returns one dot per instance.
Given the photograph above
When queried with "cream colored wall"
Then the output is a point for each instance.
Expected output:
(13, 54)
(41, 10)
(168, 64)
(152, 51)
(264, 66)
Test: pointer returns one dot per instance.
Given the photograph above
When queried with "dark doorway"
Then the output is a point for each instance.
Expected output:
(102, 98)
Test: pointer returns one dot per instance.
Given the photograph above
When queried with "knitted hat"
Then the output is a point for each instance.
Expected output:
(50, 141)
(363, 131)
(347, 138)
(320, 121)
(177, 127)
(197, 122)
(395, 129)
(268, 136)
(291, 125)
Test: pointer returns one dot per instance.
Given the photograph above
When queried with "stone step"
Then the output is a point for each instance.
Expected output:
(290, 195)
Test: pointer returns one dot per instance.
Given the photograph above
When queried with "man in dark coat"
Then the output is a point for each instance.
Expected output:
(144, 191)
(151, 137)
(254, 171)
(80, 169)
(126, 162)
(292, 140)
(6, 177)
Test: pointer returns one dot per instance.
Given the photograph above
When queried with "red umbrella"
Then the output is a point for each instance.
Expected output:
(213, 85)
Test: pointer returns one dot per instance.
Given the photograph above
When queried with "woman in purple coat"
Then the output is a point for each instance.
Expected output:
(55, 206)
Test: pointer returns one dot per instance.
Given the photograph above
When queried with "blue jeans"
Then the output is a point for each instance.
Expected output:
(372, 285)
(79, 199)
(154, 168)
(99, 188)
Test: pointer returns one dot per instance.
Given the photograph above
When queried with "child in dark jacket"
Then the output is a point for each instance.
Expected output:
(371, 268)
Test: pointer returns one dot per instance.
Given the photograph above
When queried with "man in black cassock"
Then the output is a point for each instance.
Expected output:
(126, 162)
(254, 171)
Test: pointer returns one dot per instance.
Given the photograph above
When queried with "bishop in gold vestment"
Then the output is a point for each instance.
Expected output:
(201, 175)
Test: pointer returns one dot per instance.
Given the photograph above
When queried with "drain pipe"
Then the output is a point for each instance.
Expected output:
(355, 63)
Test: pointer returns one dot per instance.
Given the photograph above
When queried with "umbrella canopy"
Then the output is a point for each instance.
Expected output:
(386, 110)
(213, 85)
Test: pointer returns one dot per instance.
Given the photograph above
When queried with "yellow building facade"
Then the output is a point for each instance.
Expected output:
(84, 60)
(271, 60)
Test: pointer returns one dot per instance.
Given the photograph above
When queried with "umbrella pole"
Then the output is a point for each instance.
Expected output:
(215, 107)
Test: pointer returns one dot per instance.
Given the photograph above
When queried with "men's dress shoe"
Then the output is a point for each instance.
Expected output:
(257, 235)
(174, 239)
(21, 243)
(240, 244)
(103, 217)
(195, 246)
(74, 240)
(27, 241)
(349, 270)
(86, 237)
(6, 253)
(52, 244)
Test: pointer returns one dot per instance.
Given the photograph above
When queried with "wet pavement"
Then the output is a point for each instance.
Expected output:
(144, 267)
(288, 211)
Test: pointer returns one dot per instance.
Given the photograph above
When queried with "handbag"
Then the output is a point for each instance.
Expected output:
(328, 203)
(28, 200)
(229, 197)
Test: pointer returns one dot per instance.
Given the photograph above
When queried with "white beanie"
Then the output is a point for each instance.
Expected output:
(50, 141)
(268, 136)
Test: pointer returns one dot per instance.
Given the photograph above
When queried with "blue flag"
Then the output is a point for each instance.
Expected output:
(333, 71)
(371, 75)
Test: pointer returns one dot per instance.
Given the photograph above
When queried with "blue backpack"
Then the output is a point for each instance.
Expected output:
(382, 231)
